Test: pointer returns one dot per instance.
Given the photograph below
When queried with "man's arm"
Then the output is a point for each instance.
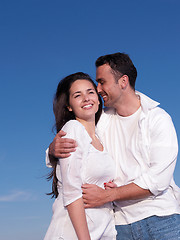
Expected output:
(157, 178)
(94, 196)
(61, 147)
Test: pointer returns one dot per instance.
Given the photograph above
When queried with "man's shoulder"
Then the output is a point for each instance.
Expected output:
(151, 107)
(159, 119)
(159, 112)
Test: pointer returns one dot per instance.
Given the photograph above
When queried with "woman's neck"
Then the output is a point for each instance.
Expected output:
(89, 126)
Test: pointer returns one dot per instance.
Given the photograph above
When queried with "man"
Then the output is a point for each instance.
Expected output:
(142, 140)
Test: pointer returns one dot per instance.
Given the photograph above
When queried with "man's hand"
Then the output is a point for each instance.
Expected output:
(94, 196)
(62, 147)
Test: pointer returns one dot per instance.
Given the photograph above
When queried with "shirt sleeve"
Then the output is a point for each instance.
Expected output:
(162, 155)
(47, 160)
(71, 168)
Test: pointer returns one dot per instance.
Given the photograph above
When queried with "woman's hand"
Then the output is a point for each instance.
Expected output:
(109, 185)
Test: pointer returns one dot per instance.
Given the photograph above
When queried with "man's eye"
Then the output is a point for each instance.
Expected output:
(76, 96)
(91, 92)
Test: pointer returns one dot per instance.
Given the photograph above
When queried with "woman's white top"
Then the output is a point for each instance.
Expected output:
(85, 165)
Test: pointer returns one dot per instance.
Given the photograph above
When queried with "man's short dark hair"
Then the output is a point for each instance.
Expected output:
(120, 64)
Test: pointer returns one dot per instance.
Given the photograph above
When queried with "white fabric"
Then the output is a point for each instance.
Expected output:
(147, 158)
(85, 165)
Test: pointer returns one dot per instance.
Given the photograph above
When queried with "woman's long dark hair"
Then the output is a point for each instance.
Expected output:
(63, 115)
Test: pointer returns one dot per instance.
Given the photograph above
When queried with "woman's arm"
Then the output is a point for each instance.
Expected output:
(71, 172)
(78, 218)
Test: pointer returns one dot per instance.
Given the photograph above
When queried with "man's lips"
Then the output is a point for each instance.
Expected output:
(104, 97)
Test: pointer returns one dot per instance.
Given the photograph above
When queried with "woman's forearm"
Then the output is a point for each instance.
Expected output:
(78, 218)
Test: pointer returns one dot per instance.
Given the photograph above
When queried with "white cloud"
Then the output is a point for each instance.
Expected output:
(17, 196)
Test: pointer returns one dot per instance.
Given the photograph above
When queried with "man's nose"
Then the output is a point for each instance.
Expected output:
(99, 89)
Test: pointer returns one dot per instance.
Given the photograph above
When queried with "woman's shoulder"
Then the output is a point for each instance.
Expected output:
(76, 130)
(71, 124)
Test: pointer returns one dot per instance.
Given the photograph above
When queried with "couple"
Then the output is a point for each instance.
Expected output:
(142, 141)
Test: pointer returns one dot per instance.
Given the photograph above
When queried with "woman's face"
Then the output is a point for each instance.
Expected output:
(83, 100)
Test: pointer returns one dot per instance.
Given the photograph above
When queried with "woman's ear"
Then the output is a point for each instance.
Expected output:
(69, 108)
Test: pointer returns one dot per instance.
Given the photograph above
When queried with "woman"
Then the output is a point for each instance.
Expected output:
(77, 108)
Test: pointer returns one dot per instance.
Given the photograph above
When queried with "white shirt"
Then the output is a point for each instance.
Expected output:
(85, 165)
(146, 156)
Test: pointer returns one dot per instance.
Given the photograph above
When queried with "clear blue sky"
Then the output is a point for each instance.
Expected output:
(43, 41)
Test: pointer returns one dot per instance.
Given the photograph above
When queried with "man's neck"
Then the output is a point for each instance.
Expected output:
(129, 104)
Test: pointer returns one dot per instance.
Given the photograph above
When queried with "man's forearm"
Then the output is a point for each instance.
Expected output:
(52, 159)
(51, 150)
(94, 196)
(127, 192)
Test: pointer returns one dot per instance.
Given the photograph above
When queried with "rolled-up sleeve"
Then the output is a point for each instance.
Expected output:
(47, 160)
(163, 150)
(72, 167)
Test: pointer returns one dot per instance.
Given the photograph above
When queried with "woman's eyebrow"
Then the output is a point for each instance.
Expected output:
(76, 92)
(90, 89)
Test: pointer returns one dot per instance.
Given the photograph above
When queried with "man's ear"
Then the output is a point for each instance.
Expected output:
(124, 81)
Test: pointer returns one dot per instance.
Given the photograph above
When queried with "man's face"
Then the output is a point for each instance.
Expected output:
(107, 87)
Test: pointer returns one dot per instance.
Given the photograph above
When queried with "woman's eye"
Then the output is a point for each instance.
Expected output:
(91, 92)
(76, 96)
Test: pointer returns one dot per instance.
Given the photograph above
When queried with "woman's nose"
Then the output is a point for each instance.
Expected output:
(86, 97)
